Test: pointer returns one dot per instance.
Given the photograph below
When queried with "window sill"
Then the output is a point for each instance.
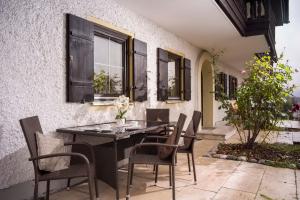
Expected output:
(106, 103)
(174, 101)
(102, 103)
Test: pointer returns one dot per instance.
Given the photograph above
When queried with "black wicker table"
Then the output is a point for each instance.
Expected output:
(113, 155)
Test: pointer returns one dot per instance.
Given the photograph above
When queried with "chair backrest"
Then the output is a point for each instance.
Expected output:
(192, 128)
(30, 126)
(197, 115)
(173, 139)
(156, 116)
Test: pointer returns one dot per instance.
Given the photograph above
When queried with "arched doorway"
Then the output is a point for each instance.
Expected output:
(205, 89)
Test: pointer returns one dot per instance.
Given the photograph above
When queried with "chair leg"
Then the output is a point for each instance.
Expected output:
(176, 159)
(96, 187)
(189, 163)
(194, 169)
(131, 174)
(128, 181)
(68, 183)
(48, 190)
(156, 174)
(36, 189)
(91, 185)
(173, 182)
(170, 176)
(153, 169)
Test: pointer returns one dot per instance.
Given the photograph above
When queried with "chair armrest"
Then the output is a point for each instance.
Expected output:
(89, 146)
(188, 136)
(154, 137)
(83, 157)
(153, 145)
(157, 136)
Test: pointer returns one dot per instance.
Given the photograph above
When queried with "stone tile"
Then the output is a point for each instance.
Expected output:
(192, 193)
(230, 194)
(298, 175)
(276, 190)
(282, 175)
(247, 165)
(244, 181)
(213, 180)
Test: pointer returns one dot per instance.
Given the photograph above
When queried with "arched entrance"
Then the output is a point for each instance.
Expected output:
(205, 89)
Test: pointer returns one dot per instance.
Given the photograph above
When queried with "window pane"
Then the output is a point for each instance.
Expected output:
(115, 53)
(116, 74)
(172, 80)
(101, 50)
(101, 79)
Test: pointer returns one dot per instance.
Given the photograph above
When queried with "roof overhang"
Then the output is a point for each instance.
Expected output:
(203, 24)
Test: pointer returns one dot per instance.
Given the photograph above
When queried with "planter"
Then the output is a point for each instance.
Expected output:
(121, 122)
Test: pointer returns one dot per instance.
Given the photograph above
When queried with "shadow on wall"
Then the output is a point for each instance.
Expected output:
(15, 163)
(18, 163)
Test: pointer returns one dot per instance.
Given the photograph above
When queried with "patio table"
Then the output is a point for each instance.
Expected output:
(114, 154)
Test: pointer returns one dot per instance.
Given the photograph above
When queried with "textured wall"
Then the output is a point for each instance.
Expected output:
(33, 72)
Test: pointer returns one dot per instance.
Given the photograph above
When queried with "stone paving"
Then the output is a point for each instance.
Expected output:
(217, 179)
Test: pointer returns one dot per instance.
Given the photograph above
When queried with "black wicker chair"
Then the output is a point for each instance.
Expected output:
(189, 140)
(170, 146)
(85, 169)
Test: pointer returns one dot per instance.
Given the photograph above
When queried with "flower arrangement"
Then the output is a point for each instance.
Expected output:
(122, 105)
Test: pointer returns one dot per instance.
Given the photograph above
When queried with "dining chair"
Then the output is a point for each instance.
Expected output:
(165, 155)
(86, 168)
(156, 116)
(189, 137)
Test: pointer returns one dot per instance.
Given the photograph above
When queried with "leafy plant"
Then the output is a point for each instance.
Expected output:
(260, 99)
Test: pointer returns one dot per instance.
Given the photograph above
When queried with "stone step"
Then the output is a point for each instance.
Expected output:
(221, 133)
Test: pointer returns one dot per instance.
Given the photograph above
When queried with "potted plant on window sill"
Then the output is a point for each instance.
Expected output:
(122, 105)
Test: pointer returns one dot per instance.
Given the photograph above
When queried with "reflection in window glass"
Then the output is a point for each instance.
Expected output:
(173, 78)
(115, 53)
(108, 67)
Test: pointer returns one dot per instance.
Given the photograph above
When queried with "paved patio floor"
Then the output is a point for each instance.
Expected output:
(217, 179)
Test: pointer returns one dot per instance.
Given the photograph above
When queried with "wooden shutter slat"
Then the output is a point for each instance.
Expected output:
(187, 79)
(80, 59)
(162, 76)
(140, 70)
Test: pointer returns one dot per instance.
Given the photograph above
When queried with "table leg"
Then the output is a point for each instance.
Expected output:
(116, 168)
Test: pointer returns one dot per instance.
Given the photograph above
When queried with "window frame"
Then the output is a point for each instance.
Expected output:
(124, 40)
(176, 57)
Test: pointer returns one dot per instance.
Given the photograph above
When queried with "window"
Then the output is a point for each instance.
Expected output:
(109, 63)
(173, 76)
(174, 64)
(99, 66)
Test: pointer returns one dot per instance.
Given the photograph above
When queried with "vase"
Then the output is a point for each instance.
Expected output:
(121, 121)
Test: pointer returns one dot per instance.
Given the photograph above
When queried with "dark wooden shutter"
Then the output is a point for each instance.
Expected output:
(187, 79)
(220, 85)
(232, 87)
(224, 83)
(80, 59)
(139, 70)
(162, 76)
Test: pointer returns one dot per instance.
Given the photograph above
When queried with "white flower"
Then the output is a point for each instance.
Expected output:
(122, 104)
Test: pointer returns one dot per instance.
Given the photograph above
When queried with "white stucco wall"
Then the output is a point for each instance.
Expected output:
(33, 72)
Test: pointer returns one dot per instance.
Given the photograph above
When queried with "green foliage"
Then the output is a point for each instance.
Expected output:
(103, 84)
(260, 98)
